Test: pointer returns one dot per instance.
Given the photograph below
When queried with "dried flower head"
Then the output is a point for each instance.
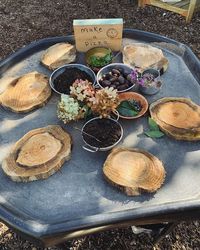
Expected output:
(69, 109)
(104, 102)
(82, 90)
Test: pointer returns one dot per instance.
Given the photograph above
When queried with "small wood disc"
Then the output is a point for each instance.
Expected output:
(58, 55)
(26, 93)
(177, 117)
(38, 154)
(39, 149)
(144, 56)
(134, 170)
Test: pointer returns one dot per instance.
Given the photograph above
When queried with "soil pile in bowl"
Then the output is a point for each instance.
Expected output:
(63, 82)
(105, 130)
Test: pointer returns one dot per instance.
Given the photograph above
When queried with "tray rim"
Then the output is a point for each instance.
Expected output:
(23, 222)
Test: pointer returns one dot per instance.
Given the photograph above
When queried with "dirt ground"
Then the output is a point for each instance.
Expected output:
(23, 21)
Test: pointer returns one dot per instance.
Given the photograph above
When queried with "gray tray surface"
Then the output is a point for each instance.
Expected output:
(79, 189)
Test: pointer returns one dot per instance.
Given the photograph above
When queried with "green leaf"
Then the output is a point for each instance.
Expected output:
(153, 125)
(129, 105)
(126, 112)
(97, 61)
(135, 105)
(154, 133)
(107, 58)
(125, 109)
(88, 112)
(125, 104)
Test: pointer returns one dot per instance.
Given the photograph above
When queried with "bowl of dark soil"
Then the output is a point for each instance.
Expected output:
(116, 75)
(132, 105)
(101, 134)
(98, 57)
(62, 78)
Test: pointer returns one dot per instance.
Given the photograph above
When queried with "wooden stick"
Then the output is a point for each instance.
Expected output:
(87, 134)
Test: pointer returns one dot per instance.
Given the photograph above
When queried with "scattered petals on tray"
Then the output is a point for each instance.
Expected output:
(177, 117)
(26, 92)
(38, 154)
(134, 170)
(144, 56)
(58, 55)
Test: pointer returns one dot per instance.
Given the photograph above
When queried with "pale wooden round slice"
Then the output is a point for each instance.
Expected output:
(177, 117)
(134, 170)
(38, 154)
(39, 149)
(26, 92)
(144, 56)
(58, 55)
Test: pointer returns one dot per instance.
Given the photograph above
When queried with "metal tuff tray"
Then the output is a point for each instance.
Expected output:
(78, 197)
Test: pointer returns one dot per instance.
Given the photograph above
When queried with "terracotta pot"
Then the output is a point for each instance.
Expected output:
(134, 96)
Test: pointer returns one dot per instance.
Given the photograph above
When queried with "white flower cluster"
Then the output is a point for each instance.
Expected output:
(84, 97)
(80, 96)
(111, 92)
(68, 109)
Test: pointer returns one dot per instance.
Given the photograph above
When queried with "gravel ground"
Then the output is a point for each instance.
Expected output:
(24, 21)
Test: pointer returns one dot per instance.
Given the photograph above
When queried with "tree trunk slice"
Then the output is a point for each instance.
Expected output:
(38, 154)
(39, 149)
(177, 117)
(58, 55)
(26, 93)
(144, 56)
(133, 171)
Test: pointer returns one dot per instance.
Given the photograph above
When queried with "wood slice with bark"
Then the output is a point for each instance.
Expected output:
(133, 170)
(144, 56)
(58, 55)
(38, 154)
(177, 117)
(26, 92)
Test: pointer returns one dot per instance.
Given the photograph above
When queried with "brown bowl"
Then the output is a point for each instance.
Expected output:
(130, 96)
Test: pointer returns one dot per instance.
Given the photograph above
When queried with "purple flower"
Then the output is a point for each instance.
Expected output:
(148, 77)
(141, 82)
(134, 75)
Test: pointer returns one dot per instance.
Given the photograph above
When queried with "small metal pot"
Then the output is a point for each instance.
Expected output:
(151, 90)
(108, 68)
(93, 149)
(61, 70)
(99, 52)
